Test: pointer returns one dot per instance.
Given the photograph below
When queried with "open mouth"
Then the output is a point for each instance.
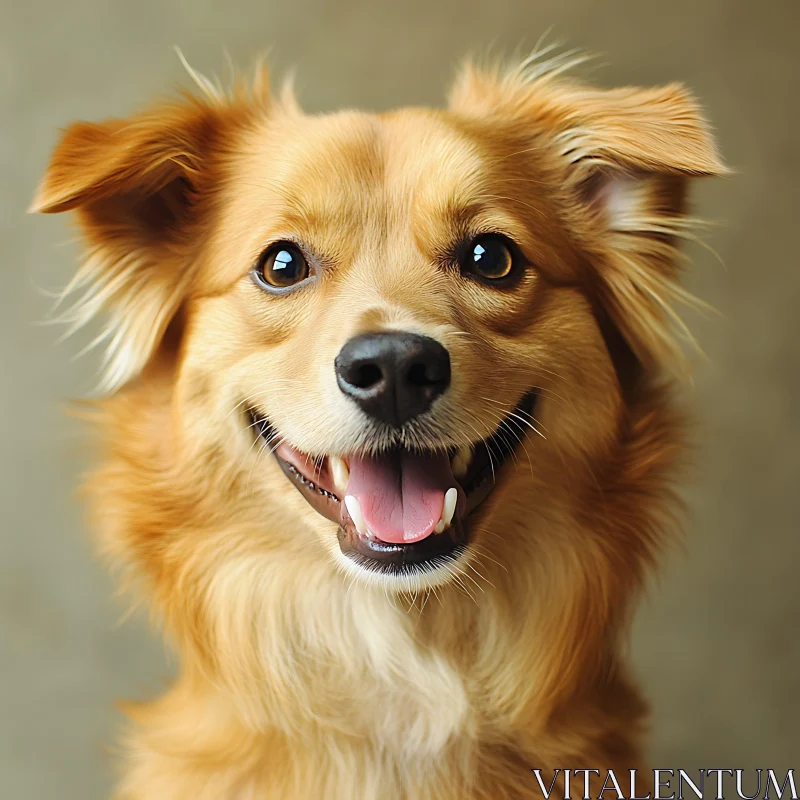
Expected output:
(402, 511)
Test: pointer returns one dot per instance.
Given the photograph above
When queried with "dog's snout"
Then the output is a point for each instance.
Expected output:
(393, 377)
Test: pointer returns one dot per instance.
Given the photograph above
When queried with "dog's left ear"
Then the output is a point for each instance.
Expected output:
(141, 188)
(621, 159)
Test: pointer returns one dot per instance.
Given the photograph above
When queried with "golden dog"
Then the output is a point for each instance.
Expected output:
(389, 437)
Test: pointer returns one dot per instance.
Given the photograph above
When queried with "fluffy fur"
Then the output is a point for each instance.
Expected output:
(300, 676)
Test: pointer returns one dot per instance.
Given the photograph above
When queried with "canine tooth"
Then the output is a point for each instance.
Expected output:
(450, 500)
(340, 472)
(461, 461)
(439, 526)
(354, 509)
(341, 475)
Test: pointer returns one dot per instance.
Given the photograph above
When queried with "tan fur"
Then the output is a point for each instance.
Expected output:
(300, 679)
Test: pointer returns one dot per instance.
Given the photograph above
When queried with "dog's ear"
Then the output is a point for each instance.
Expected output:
(621, 160)
(140, 188)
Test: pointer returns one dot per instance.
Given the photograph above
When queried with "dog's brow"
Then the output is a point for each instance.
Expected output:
(459, 214)
(299, 212)
(453, 218)
(321, 219)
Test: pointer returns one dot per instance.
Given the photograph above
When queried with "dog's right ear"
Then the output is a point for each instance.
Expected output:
(140, 188)
(622, 159)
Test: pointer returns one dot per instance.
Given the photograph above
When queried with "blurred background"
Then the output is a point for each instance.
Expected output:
(716, 643)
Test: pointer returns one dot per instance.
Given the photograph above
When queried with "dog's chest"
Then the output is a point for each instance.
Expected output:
(405, 694)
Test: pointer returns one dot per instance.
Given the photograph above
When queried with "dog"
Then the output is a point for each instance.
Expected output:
(388, 436)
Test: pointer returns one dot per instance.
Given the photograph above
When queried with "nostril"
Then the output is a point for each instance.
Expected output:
(366, 376)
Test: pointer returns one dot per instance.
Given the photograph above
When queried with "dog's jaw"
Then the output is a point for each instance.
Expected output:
(426, 557)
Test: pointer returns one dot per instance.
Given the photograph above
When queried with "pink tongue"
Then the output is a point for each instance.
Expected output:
(401, 494)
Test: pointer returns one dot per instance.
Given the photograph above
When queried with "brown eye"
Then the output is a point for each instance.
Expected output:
(280, 266)
(489, 257)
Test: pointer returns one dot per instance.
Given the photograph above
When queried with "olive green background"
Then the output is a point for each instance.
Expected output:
(716, 643)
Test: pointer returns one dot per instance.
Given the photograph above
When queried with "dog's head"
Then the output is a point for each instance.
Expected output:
(404, 319)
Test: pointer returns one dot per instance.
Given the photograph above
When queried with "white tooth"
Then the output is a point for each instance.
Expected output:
(341, 475)
(448, 509)
(461, 460)
(450, 500)
(354, 509)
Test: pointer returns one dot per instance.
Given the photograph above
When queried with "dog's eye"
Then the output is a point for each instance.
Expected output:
(280, 266)
(489, 257)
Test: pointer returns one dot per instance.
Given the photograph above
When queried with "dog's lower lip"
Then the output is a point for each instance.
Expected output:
(314, 481)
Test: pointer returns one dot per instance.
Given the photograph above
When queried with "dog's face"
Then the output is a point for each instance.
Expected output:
(397, 326)
(383, 325)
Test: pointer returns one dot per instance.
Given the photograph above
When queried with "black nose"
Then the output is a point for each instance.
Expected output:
(393, 377)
